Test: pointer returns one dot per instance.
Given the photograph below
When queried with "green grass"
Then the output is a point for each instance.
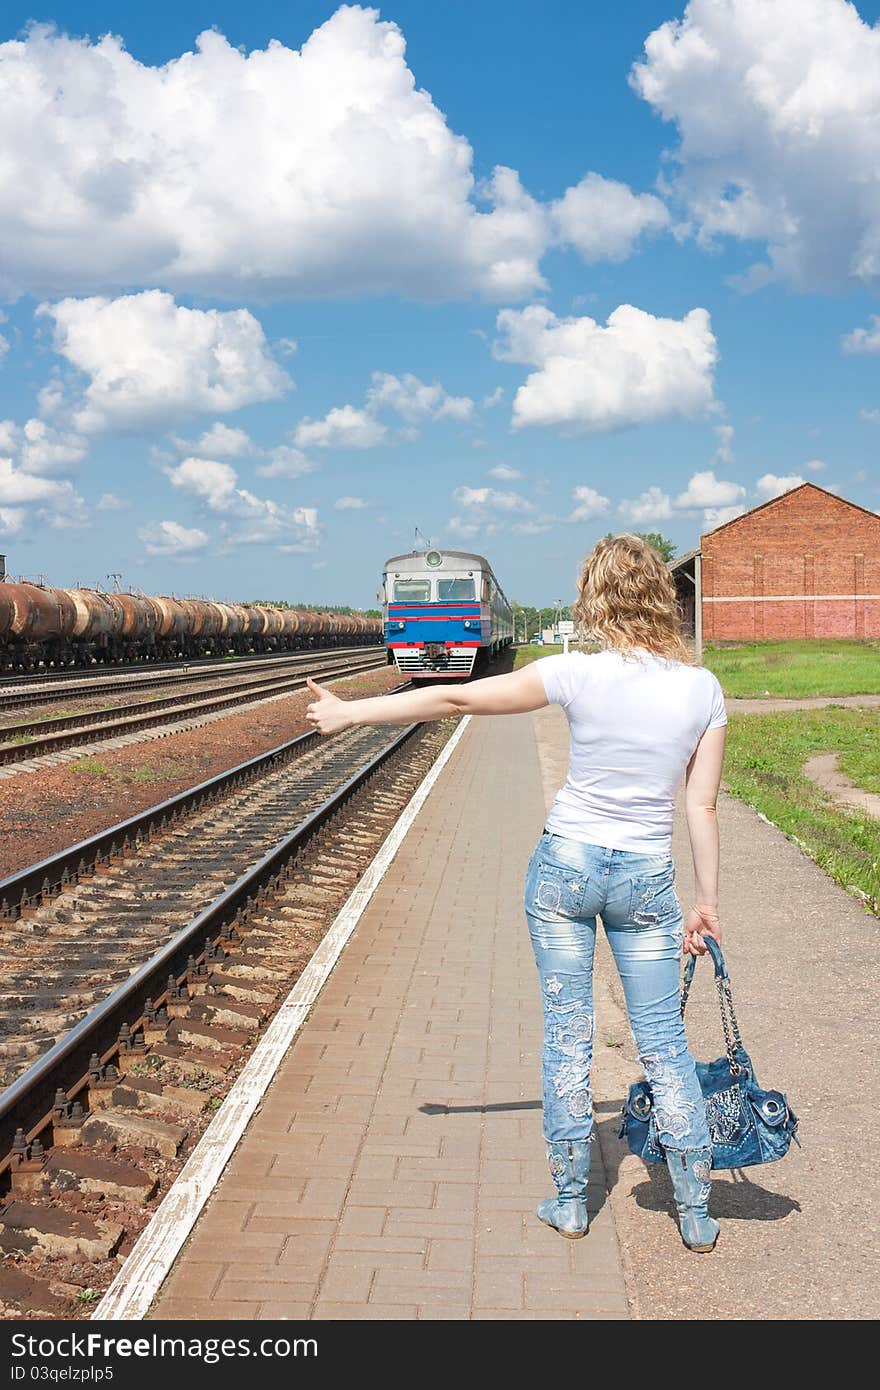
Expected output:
(160, 772)
(862, 765)
(764, 767)
(523, 655)
(796, 669)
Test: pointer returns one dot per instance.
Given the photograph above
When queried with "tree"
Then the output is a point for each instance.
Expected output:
(536, 619)
(664, 547)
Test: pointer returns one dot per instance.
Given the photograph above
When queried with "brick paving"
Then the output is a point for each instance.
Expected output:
(393, 1168)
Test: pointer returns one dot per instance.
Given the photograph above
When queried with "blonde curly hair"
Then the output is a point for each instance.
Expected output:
(627, 599)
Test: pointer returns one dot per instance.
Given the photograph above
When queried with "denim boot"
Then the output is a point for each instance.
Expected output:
(569, 1161)
(689, 1170)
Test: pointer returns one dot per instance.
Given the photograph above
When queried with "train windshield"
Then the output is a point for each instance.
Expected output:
(450, 589)
(412, 590)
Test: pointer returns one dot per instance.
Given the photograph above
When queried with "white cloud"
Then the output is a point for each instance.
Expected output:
(150, 361)
(109, 502)
(504, 473)
(651, 505)
(275, 172)
(773, 485)
(872, 416)
(247, 519)
(466, 529)
(4, 346)
(350, 504)
(40, 448)
(487, 510)
(717, 498)
(343, 427)
(354, 427)
(49, 451)
(220, 441)
(864, 339)
(592, 379)
(29, 494)
(717, 516)
(491, 497)
(816, 465)
(11, 520)
(603, 219)
(494, 398)
(705, 490)
(286, 462)
(588, 504)
(778, 112)
(17, 487)
(207, 478)
(170, 538)
(724, 455)
(414, 400)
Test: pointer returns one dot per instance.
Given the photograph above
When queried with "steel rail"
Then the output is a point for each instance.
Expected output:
(76, 729)
(231, 682)
(113, 1027)
(87, 685)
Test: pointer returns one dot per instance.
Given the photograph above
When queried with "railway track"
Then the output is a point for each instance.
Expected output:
(32, 738)
(140, 967)
(98, 682)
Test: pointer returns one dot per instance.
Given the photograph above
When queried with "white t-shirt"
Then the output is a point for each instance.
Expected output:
(635, 720)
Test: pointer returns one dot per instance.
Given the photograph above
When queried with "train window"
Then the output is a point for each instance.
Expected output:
(412, 590)
(449, 589)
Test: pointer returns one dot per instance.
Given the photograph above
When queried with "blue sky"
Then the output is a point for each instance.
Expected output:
(252, 313)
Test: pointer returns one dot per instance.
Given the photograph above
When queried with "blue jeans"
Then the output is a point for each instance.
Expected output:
(567, 884)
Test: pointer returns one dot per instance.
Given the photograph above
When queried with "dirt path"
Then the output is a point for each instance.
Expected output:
(822, 769)
(797, 1239)
(775, 705)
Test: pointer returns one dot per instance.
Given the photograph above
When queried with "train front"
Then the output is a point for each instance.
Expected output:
(431, 606)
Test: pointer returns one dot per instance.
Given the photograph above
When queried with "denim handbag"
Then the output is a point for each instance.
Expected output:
(747, 1124)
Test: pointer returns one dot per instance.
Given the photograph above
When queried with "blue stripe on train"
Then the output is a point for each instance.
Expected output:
(436, 632)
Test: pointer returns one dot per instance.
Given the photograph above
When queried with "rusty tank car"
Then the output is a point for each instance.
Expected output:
(46, 627)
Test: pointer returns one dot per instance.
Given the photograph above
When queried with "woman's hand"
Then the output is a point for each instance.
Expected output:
(327, 713)
(700, 922)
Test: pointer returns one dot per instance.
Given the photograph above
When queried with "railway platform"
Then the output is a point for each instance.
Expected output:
(394, 1165)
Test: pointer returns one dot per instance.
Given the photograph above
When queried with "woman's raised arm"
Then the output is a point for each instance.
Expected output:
(516, 693)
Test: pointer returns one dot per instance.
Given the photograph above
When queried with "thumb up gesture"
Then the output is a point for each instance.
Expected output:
(327, 713)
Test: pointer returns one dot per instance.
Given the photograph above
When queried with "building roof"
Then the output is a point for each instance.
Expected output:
(681, 560)
(783, 497)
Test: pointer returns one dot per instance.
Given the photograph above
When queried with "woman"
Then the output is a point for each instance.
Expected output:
(640, 714)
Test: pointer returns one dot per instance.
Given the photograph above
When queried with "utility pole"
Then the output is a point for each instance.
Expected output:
(117, 588)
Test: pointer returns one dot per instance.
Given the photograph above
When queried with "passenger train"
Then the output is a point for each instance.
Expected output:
(445, 613)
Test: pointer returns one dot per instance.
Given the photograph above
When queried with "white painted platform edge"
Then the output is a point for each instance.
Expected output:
(133, 1290)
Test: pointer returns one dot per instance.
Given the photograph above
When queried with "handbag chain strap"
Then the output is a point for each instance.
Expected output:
(732, 1038)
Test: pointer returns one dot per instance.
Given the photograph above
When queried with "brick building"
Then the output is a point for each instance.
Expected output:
(806, 564)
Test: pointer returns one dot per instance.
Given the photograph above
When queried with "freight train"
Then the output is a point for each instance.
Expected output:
(47, 627)
(445, 613)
